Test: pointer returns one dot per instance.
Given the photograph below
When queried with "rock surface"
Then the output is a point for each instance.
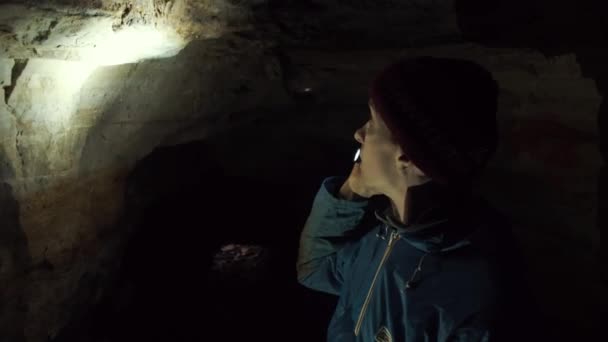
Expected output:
(89, 88)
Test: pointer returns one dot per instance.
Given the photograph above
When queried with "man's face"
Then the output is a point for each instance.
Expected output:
(379, 153)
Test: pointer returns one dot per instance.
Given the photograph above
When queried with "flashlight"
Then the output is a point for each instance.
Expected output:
(357, 156)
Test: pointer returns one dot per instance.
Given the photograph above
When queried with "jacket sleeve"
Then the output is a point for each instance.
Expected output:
(326, 243)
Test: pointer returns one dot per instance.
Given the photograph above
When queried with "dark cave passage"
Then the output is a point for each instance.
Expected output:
(183, 208)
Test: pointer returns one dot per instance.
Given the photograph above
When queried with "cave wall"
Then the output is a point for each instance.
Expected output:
(265, 79)
(71, 131)
(71, 149)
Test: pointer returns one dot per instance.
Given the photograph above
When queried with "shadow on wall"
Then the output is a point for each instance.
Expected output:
(15, 263)
(553, 28)
(182, 207)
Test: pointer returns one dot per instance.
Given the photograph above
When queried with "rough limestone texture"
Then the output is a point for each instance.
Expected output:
(57, 135)
(73, 29)
(72, 125)
(71, 130)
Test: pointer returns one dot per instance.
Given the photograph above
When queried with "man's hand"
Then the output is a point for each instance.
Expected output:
(355, 185)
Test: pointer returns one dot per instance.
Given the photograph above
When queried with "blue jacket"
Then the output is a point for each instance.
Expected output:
(450, 275)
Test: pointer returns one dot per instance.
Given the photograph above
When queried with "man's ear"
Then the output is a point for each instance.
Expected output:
(403, 161)
(406, 163)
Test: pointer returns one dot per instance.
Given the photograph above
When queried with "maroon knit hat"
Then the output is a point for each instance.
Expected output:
(442, 112)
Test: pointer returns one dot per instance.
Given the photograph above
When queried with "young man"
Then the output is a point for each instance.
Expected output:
(437, 263)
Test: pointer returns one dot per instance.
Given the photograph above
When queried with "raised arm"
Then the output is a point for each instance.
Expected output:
(327, 245)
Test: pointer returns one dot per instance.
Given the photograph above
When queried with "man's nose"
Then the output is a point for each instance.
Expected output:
(359, 135)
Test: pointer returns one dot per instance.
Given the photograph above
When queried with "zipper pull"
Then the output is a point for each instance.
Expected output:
(393, 237)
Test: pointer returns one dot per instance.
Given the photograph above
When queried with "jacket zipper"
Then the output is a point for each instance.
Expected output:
(391, 241)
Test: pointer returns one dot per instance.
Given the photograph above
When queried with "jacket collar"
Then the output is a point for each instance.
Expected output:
(433, 215)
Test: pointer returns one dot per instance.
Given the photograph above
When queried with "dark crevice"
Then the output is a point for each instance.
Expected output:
(15, 262)
(18, 68)
(44, 35)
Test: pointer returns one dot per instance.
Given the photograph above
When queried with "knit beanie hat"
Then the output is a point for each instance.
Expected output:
(442, 112)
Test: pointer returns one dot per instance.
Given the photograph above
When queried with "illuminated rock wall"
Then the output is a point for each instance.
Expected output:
(74, 118)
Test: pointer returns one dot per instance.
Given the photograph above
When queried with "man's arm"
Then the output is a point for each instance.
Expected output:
(326, 247)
